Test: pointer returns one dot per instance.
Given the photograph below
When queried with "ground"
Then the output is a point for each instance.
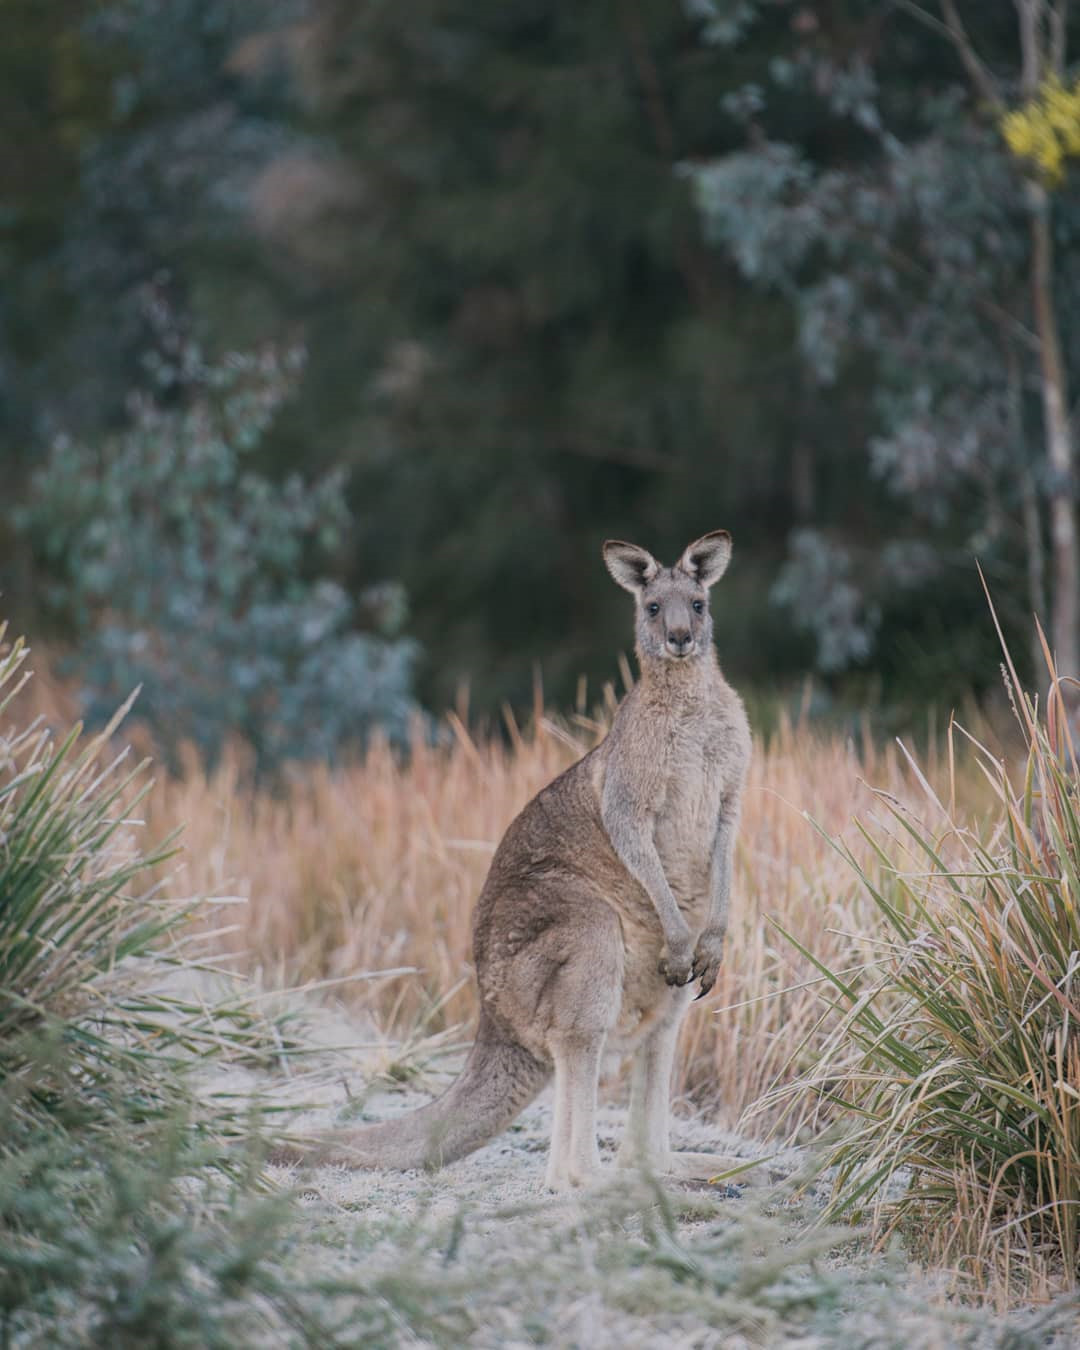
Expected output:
(478, 1254)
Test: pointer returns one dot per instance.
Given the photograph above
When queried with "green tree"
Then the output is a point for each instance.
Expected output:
(185, 571)
(525, 338)
(919, 262)
(482, 224)
(130, 144)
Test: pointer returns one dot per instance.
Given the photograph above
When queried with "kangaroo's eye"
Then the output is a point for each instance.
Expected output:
(699, 606)
(654, 609)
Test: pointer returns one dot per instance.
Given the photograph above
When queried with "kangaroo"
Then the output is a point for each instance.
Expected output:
(606, 900)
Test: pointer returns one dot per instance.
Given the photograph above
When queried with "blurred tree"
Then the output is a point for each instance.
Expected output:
(177, 566)
(54, 97)
(1043, 40)
(471, 217)
(480, 222)
(915, 245)
(130, 145)
(519, 325)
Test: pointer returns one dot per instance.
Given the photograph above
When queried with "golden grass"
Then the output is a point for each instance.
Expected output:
(959, 1060)
(379, 865)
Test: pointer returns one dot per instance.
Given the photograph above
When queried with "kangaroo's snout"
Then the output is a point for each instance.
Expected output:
(680, 641)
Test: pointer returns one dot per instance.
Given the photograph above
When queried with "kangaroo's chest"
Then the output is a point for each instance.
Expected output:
(686, 822)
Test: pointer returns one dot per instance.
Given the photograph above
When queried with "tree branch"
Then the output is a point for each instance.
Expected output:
(633, 457)
(1059, 19)
(978, 73)
(988, 308)
(951, 27)
(693, 266)
(1030, 47)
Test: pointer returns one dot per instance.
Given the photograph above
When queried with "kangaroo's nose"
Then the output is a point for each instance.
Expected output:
(678, 639)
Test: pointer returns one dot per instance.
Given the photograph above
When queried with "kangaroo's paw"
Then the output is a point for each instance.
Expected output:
(565, 1180)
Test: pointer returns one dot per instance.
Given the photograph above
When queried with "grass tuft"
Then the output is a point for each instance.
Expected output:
(957, 1055)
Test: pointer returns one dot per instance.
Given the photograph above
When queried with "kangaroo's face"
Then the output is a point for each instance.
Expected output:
(673, 620)
(672, 603)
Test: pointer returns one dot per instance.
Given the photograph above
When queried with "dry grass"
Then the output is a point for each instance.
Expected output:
(379, 865)
(958, 1059)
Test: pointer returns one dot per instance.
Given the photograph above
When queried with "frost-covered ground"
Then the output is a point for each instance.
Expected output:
(479, 1255)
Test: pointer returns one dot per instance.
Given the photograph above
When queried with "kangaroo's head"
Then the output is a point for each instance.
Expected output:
(672, 603)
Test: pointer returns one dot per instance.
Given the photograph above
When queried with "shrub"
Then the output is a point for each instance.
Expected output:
(68, 862)
(182, 570)
(124, 1218)
(91, 1009)
(959, 1056)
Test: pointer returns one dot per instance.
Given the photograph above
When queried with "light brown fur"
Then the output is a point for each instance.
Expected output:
(606, 898)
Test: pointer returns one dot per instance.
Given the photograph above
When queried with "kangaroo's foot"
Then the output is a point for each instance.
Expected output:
(564, 1178)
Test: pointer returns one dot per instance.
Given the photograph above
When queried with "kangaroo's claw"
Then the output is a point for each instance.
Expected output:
(673, 974)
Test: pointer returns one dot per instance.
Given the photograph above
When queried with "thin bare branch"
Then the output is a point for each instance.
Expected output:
(638, 457)
(978, 72)
(1027, 13)
(1059, 19)
(952, 28)
(1009, 323)
(924, 16)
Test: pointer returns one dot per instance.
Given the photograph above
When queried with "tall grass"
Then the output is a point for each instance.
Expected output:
(948, 949)
(92, 931)
(378, 865)
(958, 1054)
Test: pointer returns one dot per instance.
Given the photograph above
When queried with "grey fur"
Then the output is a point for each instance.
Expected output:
(606, 899)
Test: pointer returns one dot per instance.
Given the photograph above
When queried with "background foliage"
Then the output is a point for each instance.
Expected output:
(182, 570)
(639, 269)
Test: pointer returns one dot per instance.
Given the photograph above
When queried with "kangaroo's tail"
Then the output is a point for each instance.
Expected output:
(499, 1079)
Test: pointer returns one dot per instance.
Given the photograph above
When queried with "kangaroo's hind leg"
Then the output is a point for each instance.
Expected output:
(579, 1006)
(647, 1142)
(575, 1158)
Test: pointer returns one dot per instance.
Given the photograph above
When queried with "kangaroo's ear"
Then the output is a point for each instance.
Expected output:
(706, 559)
(632, 567)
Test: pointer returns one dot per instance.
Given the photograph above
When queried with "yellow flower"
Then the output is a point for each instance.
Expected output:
(1046, 130)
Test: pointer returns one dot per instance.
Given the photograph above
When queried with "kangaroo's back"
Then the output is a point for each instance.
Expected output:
(557, 839)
